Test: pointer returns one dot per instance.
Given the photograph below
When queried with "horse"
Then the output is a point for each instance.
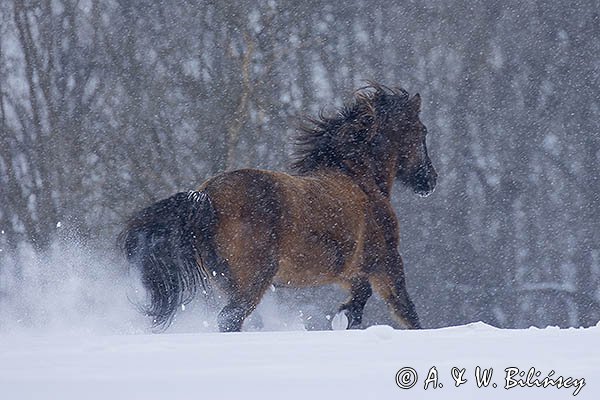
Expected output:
(330, 221)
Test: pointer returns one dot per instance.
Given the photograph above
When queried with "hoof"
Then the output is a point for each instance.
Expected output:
(340, 321)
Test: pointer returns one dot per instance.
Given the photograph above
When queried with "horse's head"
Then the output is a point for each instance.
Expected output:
(379, 133)
(399, 124)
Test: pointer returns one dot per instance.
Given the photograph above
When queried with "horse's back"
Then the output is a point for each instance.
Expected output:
(312, 226)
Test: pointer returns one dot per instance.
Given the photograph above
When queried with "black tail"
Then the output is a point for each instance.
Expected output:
(162, 241)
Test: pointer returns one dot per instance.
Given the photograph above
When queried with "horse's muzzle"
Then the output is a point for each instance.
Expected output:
(424, 181)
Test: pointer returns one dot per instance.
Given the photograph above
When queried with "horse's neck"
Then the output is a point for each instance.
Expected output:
(373, 178)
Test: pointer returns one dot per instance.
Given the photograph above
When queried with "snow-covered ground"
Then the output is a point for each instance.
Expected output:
(68, 331)
(301, 365)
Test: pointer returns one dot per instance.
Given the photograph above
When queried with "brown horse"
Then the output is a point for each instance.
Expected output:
(332, 222)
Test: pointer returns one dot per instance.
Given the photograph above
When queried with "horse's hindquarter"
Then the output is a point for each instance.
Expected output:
(314, 226)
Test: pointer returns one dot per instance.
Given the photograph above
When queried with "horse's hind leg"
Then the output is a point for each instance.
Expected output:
(232, 316)
(391, 285)
(360, 291)
(243, 300)
(249, 279)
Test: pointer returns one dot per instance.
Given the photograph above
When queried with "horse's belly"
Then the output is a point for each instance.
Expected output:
(302, 275)
(318, 264)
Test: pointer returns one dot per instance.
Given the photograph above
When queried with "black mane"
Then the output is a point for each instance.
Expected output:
(327, 141)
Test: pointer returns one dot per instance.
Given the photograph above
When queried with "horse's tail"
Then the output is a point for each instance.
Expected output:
(162, 242)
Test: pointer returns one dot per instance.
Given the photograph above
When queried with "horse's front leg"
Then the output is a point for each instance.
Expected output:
(390, 283)
(352, 310)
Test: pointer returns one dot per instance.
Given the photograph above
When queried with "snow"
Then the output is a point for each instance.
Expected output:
(360, 364)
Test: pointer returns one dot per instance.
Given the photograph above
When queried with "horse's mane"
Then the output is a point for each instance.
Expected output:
(326, 141)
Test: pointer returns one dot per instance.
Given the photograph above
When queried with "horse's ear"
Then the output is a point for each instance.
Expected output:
(367, 120)
(415, 103)
(368, 116)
